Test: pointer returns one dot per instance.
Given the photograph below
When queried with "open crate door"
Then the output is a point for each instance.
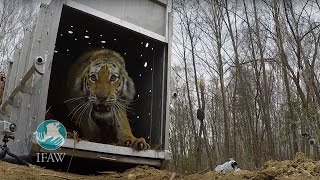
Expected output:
(25, 109)
(68, 28)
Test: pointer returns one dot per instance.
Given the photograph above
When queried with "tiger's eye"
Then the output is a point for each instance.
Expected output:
(93, 77)
(113, 78)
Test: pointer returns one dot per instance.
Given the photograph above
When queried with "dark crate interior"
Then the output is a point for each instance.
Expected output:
(145, 63)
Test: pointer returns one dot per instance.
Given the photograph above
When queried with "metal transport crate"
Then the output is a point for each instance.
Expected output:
(140, 30)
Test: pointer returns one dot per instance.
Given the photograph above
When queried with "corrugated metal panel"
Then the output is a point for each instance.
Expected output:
(149, 18)
(143, 13)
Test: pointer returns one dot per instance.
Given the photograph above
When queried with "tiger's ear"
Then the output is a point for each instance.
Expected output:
(120, 59)
(128, 91)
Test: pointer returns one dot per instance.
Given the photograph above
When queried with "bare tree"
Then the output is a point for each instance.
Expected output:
(262, 75)
(15, 17)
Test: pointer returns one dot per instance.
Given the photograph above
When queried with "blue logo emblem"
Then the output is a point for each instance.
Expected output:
(51, 134)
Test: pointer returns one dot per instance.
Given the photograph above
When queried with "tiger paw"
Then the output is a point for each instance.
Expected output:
(137, 144)
(140, 144)
(128, 143)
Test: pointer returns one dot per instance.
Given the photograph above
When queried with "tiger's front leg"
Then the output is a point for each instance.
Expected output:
(125, 136)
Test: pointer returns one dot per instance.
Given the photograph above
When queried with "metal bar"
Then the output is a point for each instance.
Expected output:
(107, 148)
(167, 25)
(39, 41)
(11, 74)
(15, 114)
(22, 82)
(115, 20)
(49, 40)
(21, 115)
(166, 120)
(162, 2)
(34, 68)
(105, 156)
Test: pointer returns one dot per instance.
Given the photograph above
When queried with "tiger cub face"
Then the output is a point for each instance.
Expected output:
(99, 92)
(106, 84)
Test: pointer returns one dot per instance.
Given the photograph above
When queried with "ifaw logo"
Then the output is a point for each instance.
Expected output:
(50, 157)
(51, 135)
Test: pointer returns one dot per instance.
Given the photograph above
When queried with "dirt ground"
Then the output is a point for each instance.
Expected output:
(300, 168)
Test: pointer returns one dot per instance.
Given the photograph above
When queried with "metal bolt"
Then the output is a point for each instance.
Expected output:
(39, 60)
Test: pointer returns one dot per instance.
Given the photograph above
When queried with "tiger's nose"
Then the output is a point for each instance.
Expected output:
(102, 98)
(112, 97)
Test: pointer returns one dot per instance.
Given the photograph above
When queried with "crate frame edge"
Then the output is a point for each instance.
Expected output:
(52, 13)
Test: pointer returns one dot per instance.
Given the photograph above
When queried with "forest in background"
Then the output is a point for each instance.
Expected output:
(16, 17)
(258, 62)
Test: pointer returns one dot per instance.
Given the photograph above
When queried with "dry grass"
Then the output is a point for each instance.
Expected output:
(299, 168)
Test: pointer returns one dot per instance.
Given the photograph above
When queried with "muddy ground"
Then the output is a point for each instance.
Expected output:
(301, 168)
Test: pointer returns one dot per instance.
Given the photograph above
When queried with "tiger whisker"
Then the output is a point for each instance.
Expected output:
(136, 99)
(112, 100)
(75, 108)
(87, 104)
(116, 106)
(109, 102)
(79, 109)
(125, 107)
(127, 101)
(74, 99)
(89, 113)
(122, 107)
(128, 107)
(82, 112)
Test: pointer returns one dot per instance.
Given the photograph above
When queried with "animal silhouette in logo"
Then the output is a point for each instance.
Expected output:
(51, 134)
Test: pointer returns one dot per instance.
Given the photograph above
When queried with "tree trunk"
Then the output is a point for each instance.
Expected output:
(284, 62)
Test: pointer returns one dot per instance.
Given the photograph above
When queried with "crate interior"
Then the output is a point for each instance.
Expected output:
(144, 56)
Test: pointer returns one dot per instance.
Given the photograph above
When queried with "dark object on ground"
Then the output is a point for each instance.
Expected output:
(6, 151)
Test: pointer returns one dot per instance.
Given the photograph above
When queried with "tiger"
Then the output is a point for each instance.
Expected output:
(98, 96)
